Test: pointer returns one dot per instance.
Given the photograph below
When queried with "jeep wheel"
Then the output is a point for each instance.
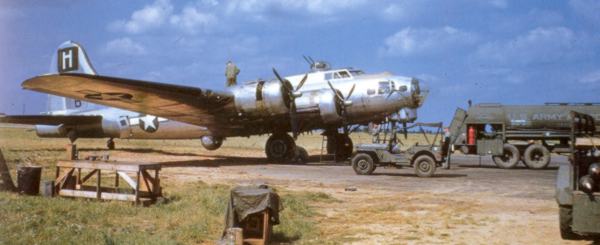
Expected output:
(424, 166)
(363, 164)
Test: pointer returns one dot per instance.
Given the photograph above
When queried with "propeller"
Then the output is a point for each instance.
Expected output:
(343, 102)
(405, 131)
(292, 94)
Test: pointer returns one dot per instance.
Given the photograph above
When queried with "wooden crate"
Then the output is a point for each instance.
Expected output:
(142, 179)
(257, 228)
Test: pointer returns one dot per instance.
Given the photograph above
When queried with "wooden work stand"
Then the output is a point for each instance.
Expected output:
(142, 180)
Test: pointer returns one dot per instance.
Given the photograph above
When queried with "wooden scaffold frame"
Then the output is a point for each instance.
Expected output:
(145, 185)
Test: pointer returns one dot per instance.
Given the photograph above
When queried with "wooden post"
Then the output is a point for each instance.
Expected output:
(72, 152)
(137, 188)
(7, 183)
(98, 182)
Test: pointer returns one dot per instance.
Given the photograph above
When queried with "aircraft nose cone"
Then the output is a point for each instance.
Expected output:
(418, 92)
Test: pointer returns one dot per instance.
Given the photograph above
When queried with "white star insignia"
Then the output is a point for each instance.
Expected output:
(149, 123)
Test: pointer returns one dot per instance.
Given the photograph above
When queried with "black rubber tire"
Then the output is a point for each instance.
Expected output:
(280, 147)
(565, 218)
(424, 166)
(110, 144)
(363, 164)
(509, 159)
(536, 156)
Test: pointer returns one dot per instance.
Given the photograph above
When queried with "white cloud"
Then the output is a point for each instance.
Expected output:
(192, 20)
(149, 17)
(125, 46)
(414, 41)
(591, 78)
(540, 45)
(322, 7)
(394, 12)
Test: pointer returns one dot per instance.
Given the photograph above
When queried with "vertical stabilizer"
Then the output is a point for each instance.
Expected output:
(70, 57)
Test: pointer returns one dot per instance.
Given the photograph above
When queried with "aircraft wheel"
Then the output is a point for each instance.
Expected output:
(536, 156)
(110, 144)
(280, 147)
(424, 166)
(565, 218)
(509, 158)
(363, 164)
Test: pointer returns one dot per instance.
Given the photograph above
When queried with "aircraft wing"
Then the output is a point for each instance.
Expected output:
(50, 119)
(181, 103)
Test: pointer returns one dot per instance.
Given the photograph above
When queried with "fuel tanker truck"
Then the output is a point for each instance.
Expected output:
(513, 133)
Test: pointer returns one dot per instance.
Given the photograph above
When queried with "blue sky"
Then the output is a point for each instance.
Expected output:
(513, 52)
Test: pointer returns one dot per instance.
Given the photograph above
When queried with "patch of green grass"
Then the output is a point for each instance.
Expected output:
(193, 213)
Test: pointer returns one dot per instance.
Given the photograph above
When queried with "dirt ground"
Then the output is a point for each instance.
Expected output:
(473, 202)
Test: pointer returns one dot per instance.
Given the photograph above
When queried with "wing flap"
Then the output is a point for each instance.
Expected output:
(181, 103)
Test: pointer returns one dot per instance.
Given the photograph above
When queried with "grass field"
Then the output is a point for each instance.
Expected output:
(192, 213)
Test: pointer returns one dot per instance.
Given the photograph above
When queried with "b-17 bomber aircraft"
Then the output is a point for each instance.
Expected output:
(324, 98)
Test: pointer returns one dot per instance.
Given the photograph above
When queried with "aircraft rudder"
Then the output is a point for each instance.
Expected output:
(70, 57)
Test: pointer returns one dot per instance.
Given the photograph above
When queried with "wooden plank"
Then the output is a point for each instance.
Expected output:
(127, 179)
(93, 195)
(587, 141)
(88, 176)
(114, 166)
(146, 177)
(60, 181)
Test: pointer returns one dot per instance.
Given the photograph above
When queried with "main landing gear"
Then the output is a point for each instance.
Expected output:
(281, 147)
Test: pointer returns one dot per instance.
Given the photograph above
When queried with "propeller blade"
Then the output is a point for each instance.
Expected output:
(390, 94)
(335, 91)
(277, 75)
(302, 82)
(351, 91)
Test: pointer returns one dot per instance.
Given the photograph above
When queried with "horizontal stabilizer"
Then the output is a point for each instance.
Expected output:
(51, 119)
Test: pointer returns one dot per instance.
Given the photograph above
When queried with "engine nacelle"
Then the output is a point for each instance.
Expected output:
(50, 131)
(211, 143)
(261, 99)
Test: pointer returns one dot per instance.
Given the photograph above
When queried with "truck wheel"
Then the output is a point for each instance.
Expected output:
(536, 156)
(363, 164)
(424, 166)
(565, 218)
(509, 158)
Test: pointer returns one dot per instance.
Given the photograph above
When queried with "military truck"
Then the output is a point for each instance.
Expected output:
(510, 133)
(578, 183)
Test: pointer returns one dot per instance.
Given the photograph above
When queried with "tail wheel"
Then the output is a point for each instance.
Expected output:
(509, 158)
(536, 156)
(280, 147)
(363, 164)
(424, 166)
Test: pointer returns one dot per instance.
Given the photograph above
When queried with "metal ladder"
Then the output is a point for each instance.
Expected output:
(324, 150)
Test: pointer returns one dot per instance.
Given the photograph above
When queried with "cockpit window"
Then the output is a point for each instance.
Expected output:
(384, 87)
